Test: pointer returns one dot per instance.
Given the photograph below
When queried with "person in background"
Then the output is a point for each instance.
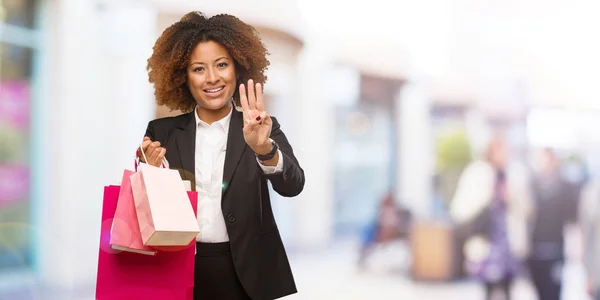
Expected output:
(589, 216)
(491, 205)
(386, 227)
(229, 147)
(555, 207)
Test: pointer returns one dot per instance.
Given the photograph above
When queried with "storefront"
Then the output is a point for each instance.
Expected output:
(18, 52)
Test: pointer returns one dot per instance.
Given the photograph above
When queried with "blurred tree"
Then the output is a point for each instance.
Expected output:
(452, 150)
(453, 153)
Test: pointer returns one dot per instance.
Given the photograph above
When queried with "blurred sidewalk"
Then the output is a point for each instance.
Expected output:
(332, 275)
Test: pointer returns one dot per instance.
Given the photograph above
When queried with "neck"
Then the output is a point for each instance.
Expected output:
(210, 116)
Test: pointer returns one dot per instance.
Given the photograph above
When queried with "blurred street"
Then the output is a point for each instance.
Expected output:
(331, 274)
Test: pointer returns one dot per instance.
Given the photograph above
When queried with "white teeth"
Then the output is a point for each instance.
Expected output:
(214, 91)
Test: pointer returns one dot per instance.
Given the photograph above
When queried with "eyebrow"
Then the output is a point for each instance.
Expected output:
(216, 60)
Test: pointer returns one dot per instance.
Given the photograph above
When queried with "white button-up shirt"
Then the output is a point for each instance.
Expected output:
(211, 145)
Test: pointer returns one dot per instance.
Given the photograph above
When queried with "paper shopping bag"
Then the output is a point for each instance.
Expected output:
(125, 233)
(165, 215)
(132, 292)
(169, 275)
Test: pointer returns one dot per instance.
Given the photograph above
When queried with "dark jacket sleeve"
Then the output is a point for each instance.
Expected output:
(150, 130)
(290, 181)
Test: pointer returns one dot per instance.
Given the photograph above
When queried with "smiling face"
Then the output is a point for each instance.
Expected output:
(211, 78)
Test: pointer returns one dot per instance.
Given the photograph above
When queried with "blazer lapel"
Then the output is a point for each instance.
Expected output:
(186, 142)
(235, 147)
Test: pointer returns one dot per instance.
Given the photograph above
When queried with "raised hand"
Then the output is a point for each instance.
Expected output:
(257, 122)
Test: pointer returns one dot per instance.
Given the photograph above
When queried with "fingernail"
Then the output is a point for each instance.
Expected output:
(258, 118)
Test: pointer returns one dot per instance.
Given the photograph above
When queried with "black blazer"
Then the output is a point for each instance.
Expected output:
(256, 246)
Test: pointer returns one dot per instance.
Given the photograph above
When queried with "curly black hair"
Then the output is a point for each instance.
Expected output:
(171, 54)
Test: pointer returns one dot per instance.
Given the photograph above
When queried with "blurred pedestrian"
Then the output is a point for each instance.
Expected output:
(491, 204)
(384, 228)
(555, 206)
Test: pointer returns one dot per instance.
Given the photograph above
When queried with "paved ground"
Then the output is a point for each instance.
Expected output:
(331, 275)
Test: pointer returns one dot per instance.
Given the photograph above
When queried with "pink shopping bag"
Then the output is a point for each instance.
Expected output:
(163, 209)
(125, 232)
(134, 293)
(169, 275)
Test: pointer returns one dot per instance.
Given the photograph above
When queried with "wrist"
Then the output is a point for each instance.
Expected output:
(264, 149)
(271, 162)
(268, 152)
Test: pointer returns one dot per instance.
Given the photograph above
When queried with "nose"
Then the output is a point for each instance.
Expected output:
(211, 76)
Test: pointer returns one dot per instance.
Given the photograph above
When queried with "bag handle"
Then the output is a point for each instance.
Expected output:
(164, 160)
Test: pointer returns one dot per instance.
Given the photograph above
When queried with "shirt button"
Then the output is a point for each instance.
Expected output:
(231, 218)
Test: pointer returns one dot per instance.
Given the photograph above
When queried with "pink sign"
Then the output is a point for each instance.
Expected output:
(14, 183)
(14, 103)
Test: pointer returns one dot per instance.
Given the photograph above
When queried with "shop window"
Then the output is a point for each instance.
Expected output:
(15, 104)
(18, 12)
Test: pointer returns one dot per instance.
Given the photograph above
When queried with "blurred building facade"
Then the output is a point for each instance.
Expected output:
(19, 48)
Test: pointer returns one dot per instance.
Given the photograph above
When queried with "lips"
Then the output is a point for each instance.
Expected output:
(214, 92)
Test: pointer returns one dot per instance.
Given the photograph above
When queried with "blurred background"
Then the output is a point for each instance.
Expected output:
(386, 103)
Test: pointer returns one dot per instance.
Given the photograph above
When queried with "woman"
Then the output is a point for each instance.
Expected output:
(491, 203)
(227, 146)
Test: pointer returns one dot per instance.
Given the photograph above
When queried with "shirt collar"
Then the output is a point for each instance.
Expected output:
(224, 123)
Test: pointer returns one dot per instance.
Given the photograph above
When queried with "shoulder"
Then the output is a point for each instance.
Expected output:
(168, 122)
(478, 168)
(477, 174)
(161, 129)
